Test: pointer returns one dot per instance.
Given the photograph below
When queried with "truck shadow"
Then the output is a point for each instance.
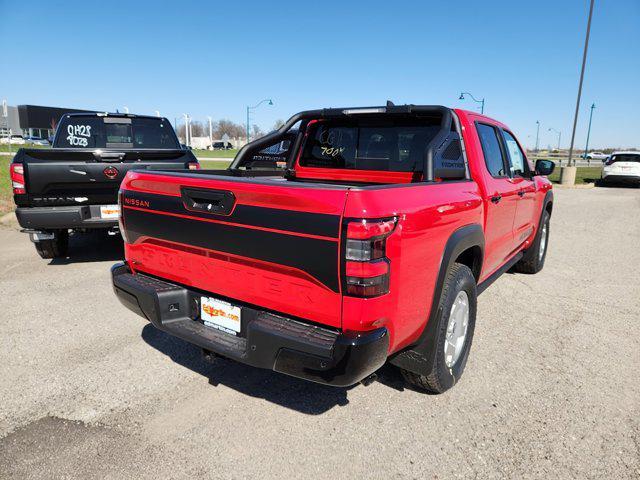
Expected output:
(95, 246)
(289, 392)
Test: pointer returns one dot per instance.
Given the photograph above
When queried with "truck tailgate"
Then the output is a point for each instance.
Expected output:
(72, 177)
(266, 242)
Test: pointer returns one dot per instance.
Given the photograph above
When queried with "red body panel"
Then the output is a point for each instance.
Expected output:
(273, 286)
(427, 215)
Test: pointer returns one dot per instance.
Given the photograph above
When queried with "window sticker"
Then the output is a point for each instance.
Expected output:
(78, 135)
(517, 162)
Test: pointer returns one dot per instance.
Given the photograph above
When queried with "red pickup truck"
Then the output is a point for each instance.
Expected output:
(345, 239)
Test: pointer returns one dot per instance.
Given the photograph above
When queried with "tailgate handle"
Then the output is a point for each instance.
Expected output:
(109, 156)
(216, 202)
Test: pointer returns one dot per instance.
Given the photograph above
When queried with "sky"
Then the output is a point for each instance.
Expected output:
(208, 58)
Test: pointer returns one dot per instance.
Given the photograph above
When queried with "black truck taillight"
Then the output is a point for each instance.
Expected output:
(121, 216)
(17, 178)
(193, 166)
(367, 267)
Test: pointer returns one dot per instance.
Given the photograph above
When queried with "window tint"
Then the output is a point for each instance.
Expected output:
(396, 147)
(516, 157)
(152, 133)
(119, 133)
(491, 149)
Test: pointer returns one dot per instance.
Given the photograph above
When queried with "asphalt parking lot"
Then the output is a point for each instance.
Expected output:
(551, 389)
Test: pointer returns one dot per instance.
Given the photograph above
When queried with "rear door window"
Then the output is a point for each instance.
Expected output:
(493, 155)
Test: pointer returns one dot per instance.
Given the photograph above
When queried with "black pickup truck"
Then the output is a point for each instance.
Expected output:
(74, 185)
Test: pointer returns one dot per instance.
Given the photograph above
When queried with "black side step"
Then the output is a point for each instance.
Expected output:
(495, 275)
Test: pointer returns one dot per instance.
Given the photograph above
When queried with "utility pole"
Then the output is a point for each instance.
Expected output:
(247, 123)
(186, 128)
(537, 134)
(584, 62)
(586, 148)
(210, 131)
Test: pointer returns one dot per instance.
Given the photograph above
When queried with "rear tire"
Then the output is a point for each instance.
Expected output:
(533, 260)
(58, 247)
(459, 289)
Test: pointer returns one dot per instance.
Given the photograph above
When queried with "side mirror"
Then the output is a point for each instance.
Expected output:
(545, 167)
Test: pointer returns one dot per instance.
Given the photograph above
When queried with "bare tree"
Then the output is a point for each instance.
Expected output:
(228, 127)
(257, 133)
(198, 130)
(279, 123)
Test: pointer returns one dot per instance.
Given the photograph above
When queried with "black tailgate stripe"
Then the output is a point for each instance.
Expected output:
(319, 258)
(320, 224)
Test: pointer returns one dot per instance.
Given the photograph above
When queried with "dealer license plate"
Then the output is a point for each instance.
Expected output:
(220, 314)
(109, 211)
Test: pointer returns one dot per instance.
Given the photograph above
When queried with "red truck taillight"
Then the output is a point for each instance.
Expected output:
(17, 179)
(367, 266)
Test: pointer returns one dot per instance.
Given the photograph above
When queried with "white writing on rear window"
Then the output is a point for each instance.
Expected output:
(78, 135)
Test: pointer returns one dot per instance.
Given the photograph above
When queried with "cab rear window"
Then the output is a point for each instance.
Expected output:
(115, 132)
(390, 146)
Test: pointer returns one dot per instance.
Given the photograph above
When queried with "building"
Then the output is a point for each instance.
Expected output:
(33, 120)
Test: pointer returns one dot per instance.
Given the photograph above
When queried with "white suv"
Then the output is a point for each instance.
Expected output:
(622, 167)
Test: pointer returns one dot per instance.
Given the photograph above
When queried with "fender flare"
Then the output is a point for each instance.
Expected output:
(417, 357)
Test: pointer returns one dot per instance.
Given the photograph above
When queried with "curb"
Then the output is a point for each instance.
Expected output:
(582, 186)
(8, 219)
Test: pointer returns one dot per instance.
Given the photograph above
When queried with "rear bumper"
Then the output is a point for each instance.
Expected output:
(614, 177)
(51, 218)
(267, 340)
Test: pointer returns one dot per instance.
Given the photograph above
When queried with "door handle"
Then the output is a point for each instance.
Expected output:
(496, 198)
(521, 193)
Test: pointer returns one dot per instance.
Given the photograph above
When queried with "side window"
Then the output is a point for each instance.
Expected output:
(491, 149)
(516, 157)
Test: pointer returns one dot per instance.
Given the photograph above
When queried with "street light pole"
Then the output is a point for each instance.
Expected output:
(481, 102)
(537, 134)
(253, 108)
(584, 62)
(586, 148)
(210, 131)
(559, 135)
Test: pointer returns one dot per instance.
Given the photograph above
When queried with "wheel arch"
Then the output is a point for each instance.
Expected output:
(547, 203)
